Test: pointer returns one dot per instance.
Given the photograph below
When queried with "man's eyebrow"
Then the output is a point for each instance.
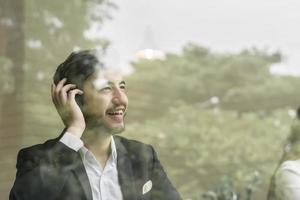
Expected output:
(111, 83)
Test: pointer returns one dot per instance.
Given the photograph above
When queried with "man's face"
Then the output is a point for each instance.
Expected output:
(105, 101)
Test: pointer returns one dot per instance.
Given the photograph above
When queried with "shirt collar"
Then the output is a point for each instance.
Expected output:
(83, 150)
(113, 149)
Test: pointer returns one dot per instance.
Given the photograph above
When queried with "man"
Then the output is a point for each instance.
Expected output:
(88, 161)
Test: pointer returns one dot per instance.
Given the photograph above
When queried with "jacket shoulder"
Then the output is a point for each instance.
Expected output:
(134, 148)
(132, 145)
(131, 142)
(36, 150)
(31, 157)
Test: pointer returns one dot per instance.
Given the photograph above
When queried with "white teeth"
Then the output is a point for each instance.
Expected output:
(120, 112)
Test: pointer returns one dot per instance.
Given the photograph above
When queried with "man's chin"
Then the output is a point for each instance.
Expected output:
(116, 130)
(107, 126)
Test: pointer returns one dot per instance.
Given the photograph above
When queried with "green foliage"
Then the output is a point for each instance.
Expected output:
(199, 146)
(213, 114)
(6, 82)
(225, 190)
(241, 82)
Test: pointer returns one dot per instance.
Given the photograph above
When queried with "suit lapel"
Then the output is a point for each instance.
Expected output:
(125, 172)
(81, 174)
(74, 162)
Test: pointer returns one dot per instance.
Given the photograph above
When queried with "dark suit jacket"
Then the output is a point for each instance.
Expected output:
(54, 171)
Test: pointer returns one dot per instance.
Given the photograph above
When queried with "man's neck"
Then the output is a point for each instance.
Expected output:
(98, 142)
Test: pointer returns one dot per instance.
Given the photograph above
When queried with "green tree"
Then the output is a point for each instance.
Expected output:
(199, 146)
(211, 115)
(240, 82)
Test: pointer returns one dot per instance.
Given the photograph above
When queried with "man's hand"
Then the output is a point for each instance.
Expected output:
(63, 97)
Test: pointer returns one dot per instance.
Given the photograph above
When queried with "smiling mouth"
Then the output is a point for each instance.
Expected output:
(116, 115)
(116, 112)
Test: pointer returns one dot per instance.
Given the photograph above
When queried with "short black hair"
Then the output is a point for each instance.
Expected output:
(78, 66)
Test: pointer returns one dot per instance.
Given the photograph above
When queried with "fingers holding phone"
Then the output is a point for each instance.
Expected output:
(63, 97)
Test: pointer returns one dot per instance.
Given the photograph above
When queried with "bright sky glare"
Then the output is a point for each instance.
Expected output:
(229, 25)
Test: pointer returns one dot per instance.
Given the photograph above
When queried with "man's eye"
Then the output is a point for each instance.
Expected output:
(106, 88)
(122, 87)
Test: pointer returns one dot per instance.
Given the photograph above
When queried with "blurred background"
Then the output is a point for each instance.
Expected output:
(212, 85)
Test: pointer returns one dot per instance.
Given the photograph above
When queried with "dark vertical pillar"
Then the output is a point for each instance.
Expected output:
(11, 100)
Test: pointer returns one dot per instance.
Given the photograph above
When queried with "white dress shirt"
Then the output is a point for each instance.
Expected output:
(287, 181)
(104, 181)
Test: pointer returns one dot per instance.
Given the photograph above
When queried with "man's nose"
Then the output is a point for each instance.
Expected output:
(118, 96)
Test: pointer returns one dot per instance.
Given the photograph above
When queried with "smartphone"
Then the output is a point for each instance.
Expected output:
(78, 97)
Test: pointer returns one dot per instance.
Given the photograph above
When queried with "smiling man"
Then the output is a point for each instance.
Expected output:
(88, 160)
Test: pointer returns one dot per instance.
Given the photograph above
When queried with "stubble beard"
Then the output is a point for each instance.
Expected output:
(93, 123)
